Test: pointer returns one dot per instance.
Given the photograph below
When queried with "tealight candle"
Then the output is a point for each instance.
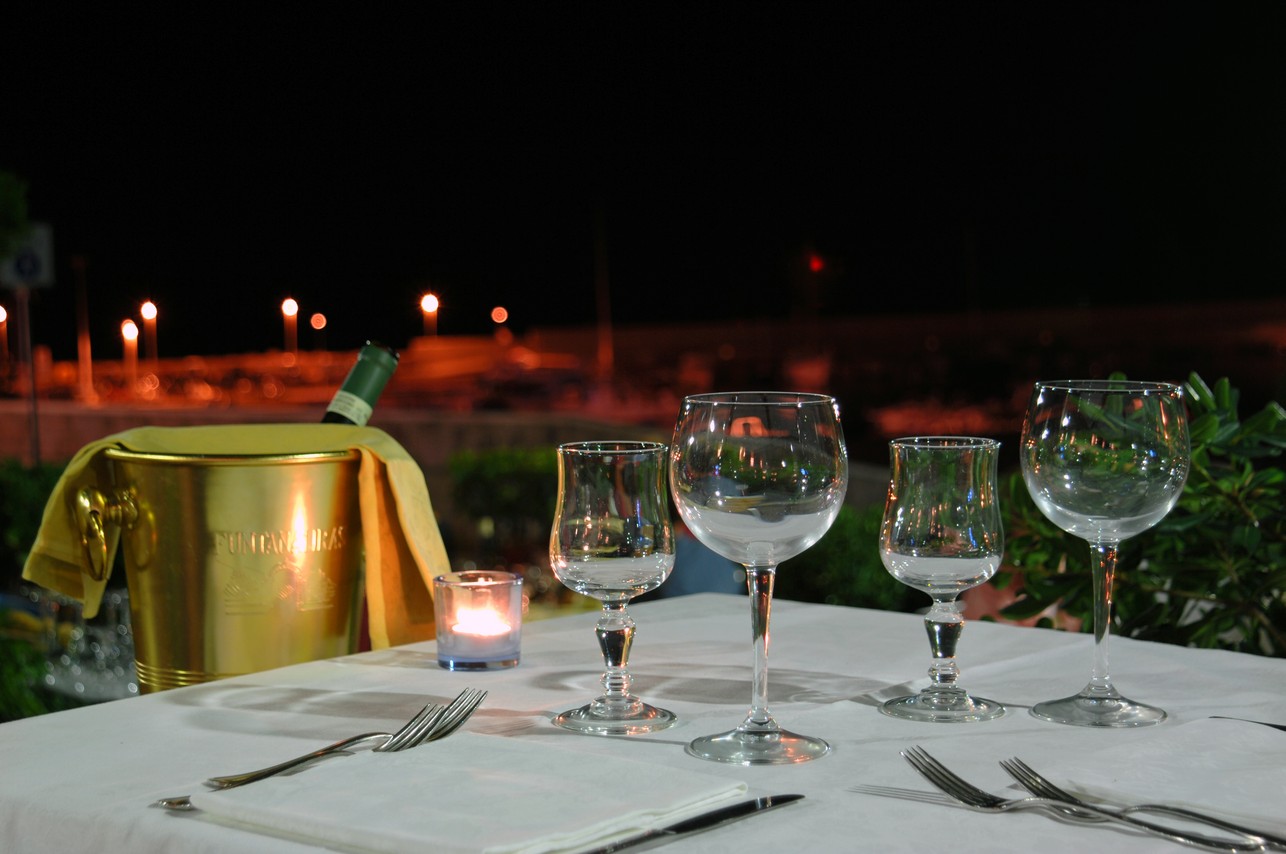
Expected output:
(479, 619)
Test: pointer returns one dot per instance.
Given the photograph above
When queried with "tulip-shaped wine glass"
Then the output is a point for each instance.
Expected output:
(758, 477)
(1104, 460)
(942, 534)
(612, 540)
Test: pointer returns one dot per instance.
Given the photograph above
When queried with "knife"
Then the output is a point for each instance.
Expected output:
(705, 821)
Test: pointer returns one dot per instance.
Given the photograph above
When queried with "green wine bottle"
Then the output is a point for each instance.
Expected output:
(355, 400)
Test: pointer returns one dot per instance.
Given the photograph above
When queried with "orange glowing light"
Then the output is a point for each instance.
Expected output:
(4, 315)
(480, 622)
(299, 524)
(317, 321)
(499, 314)
(748, 426)
(289, 307)
(429, 303)
(148, 310)
(129, 330)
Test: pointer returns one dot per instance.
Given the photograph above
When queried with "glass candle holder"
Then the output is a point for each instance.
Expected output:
(479, 619)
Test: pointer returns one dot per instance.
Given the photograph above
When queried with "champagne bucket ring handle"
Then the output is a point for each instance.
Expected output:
(94, 512)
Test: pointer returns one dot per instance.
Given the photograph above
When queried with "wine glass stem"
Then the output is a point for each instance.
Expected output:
(615, 631)
(759, 582)
(944, 624)
(1104, 578)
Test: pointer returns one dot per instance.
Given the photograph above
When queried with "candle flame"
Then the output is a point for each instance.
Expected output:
(484, 622)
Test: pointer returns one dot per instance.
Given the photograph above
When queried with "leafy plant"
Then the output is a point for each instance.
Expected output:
(1212, 573)
(24, 491)
(506, 482)
(508, 494)
(22, 666)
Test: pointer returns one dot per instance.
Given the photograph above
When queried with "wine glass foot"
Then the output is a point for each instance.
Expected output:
(943, 707)
(740, 747)
(1089, 709)
(586, 720)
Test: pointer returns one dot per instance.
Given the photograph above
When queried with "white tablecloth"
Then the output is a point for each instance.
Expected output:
(82, 780)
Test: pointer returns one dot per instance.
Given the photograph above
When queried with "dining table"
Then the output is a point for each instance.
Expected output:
(86, 779)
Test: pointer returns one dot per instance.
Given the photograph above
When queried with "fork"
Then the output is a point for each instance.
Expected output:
(429, 724)
(1041, 787)
(981, 800)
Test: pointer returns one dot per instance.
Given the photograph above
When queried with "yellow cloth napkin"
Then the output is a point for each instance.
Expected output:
(404, 549)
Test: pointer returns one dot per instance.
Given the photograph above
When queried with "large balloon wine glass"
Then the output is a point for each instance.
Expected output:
(1104, 460)
(758, 477)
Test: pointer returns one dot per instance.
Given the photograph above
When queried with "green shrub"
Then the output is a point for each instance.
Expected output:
(510, 483)
(24, 491)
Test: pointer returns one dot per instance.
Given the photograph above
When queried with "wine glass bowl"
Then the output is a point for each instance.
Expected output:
(942, 534)
(1104, 460)
(758, 477)
(612, 540)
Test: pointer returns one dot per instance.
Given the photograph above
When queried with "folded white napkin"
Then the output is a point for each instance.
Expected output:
(1231, 768)
(471, 793)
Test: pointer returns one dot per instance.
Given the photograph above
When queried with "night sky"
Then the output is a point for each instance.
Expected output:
(934, 157)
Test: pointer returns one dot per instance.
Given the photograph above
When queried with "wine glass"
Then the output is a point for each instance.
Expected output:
(612, 540)
(942, 534)
(758, 477)
(1104, 460)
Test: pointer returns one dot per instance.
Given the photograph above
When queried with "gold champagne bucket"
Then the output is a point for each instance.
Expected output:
(235, 563)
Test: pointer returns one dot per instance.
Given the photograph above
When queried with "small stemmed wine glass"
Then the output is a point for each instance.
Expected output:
(612, 540)
(1104, 460)
(758, 477)
(942, 534)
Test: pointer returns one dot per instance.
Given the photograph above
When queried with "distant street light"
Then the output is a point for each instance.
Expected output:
(129, 332)
(290, 314)
(318, 323)
(429, 304)
(499, 315)
(148, 312)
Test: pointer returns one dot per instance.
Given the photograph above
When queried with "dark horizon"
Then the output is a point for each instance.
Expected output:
(934, 158)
